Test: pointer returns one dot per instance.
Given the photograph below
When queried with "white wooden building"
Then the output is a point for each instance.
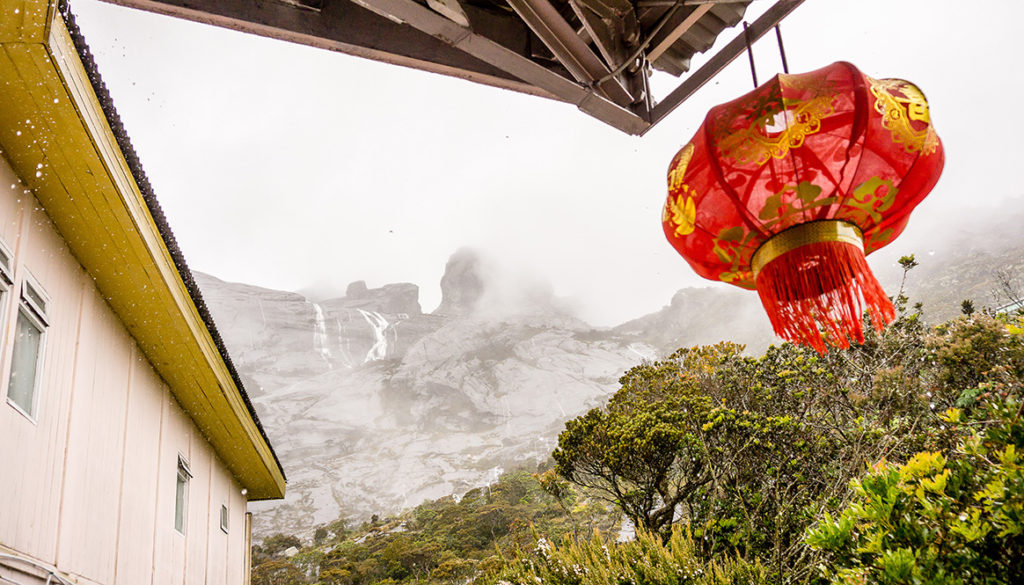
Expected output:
(128, 448)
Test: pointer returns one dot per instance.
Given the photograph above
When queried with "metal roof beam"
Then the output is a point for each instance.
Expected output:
(451, 9)
(585, 98)
(569, 49)
(601, 30)
(495, 47)
(343, 26)
(715, 64)
(615, 31)
(676, 28)
(411, 35)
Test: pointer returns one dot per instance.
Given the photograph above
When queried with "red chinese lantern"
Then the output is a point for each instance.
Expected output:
(786, 189)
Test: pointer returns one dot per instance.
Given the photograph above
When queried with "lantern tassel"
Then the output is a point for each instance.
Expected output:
(816, 294)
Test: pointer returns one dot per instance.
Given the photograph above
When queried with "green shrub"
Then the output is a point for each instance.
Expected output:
(645, 561)
(953, 518)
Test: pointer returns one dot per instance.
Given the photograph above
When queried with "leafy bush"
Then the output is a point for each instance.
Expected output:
(645, 561)
(728, 460)
(949, 519)
(277, 572)
(749, 452)
(441, 542)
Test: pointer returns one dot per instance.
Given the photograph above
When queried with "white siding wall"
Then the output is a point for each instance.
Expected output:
(89, 484)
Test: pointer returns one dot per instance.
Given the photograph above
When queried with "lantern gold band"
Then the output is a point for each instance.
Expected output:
(808, 233)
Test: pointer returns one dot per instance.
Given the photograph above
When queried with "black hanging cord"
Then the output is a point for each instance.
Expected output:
(782, 50)
(750, 52)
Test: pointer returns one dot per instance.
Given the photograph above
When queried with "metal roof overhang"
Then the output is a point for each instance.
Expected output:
(595, 54)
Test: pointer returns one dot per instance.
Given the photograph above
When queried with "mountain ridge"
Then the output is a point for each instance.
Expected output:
(375, 406)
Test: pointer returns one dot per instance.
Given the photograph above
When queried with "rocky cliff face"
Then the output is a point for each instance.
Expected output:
(374, 406)
(462, 285)
(698, 316)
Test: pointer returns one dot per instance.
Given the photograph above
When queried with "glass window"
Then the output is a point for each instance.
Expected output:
(35, 299)
(29, 333)
(224, 518)
(6, 280)
(6, 267)
(28, 338)
(181, 494)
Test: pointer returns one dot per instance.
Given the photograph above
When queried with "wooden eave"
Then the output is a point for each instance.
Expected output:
(56, 136)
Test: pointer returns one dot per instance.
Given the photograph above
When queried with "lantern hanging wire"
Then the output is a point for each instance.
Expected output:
(782, 49)
(750, 52)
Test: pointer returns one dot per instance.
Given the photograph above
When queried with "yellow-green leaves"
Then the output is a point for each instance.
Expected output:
(942, 518)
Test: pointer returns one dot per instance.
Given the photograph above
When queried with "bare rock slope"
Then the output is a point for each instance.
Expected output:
(374, 405)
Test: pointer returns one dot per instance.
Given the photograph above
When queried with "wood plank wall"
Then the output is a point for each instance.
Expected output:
(89, 484)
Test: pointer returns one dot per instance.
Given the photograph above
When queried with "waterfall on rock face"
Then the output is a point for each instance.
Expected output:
(379, 350)
(437, 408)
(320, 335)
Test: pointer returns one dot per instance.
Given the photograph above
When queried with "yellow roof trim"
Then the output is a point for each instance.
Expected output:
(50, 116)
(25, 21)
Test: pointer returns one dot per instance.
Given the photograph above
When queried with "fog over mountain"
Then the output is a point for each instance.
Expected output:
(374, 405)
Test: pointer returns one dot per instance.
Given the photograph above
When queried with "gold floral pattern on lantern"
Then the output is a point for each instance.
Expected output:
(733, 248)
(681, 211)
(792, 204)
(678, 167)
(781, 124)
(902, 105)
(868, 202)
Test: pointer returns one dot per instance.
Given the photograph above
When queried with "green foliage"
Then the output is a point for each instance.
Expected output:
(745, 450)
(320, 535)
(967, 307)
(648, 560)
(949, 519)
(277, 572)
(642, 452)
(441, 542)
(273, 548)
(278, 543)
(971, 350)
(907, 262)
(748, 452)
(1016, 328)
(742, 469)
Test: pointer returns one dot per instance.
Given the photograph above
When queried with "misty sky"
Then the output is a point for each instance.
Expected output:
(300, 169)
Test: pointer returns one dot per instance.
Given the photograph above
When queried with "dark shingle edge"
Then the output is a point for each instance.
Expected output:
(114, 120)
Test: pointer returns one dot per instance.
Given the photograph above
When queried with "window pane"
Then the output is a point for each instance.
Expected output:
(181, 496)
(5, 266)
(36, 300)
(23, 364)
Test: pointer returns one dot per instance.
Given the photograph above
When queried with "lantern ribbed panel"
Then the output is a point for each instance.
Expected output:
(832, 144)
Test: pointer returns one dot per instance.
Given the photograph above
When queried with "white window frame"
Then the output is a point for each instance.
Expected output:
(6, 268)
(32, 305)
(6, 282)
(35, 298)
(224, 518)
(184, 474)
